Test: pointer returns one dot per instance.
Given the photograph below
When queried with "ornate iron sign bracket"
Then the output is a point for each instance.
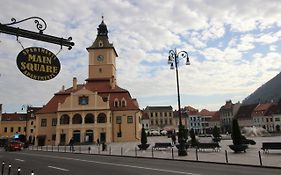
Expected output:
(6, 28)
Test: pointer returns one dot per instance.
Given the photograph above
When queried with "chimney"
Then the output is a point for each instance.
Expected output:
(74, 83)
(62, 88)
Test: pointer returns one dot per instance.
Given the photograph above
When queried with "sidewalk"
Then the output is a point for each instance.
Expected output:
(251, 157)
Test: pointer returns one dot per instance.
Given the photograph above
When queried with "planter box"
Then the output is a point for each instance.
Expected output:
(143, 146)
(238, 148)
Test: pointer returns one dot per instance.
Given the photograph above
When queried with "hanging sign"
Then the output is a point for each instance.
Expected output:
(38, 63)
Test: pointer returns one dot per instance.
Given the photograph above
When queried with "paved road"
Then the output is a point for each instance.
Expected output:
(51, 163)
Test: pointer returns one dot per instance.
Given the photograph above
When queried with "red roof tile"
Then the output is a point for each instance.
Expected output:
(13, 117)
(104, 90)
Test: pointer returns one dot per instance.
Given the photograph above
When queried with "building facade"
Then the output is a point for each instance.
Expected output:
(98, 110)
(227, 112)
(160, 116)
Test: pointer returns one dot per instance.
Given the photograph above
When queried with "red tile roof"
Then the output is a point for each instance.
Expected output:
(191, 110)
(104, 90)
(13, 117)
(261, 109)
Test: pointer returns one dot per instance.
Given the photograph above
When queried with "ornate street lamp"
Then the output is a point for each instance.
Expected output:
(173, 60)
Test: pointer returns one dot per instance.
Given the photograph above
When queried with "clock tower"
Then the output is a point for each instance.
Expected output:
(102, 57)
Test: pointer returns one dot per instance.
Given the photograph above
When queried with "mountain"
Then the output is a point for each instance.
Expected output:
(270, 91)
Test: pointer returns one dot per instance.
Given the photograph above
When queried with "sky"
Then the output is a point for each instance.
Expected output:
(234, 47)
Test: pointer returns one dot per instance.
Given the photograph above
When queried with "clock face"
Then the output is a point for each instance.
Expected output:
(100, 58)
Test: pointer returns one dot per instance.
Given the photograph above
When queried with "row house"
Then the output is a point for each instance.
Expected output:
(273, 117)
(12, 124)
(202, 122)
(158, 116)
(209, 119)
(265, 115)
(260, 117)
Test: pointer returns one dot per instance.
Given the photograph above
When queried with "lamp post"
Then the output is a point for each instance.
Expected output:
(173, 60)
(28, 110)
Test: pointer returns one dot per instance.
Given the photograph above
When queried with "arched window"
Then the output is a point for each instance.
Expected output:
(116, 102)
(89, 118)
(101, 118)
(77, 119)
(123, 103)
(64, 119)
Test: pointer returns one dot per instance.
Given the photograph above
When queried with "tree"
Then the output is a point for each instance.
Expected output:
(216, 134)
(143, 137)
(237, 138)
(236, 133)
(143, 145)
(193, 138)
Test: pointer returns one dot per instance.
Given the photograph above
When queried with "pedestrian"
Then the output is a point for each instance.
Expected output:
(98, 141)
(174, 139)
(71, 143)
(103, 146)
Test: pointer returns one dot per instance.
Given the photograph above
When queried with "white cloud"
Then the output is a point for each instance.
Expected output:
(219, 36)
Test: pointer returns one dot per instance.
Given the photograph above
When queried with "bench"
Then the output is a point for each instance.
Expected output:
(270, 145)
(159, 145)
(203, 146)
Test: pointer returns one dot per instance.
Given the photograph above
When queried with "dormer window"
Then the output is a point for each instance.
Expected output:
(123, 103)
(100, 43)
(116, 102)
(84, 100)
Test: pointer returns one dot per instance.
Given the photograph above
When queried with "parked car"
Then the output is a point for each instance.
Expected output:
(14, 146)
(163, 132)
(154, 133)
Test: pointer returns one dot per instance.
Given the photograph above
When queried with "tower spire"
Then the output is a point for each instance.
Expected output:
(102, 29)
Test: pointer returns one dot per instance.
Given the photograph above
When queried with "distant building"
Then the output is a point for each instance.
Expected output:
(227, 112)
(145, 121)
(159, 116)
(260, 117)
(209, 119)
(274, 112)
(19, 123)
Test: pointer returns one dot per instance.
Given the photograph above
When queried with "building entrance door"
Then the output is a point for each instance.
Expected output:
(62, 139)
(102, 137)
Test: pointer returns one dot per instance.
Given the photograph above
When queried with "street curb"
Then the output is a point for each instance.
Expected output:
(194, 161)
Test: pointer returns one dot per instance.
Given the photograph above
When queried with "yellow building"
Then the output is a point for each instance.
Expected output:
(16, 123)
(97, 110)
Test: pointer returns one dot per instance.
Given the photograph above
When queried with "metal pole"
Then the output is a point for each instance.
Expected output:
(3, 165)
(18, 171)
(197, 154)
(226, 157)
(181, 150)
(152, 153)
(9, 170)
(260, 158)
(109, 150)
